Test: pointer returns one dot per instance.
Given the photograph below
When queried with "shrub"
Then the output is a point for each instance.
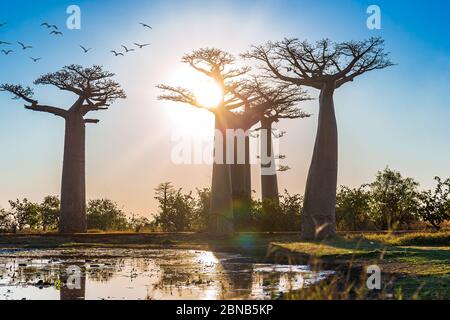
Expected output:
(104, 214)
(352, 209)
(277, 215)
(394, 200)
(50, 212)
(435, 205)
(176, 210)
(26, 214)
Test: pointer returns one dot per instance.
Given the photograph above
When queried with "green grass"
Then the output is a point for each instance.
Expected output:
(417, 265)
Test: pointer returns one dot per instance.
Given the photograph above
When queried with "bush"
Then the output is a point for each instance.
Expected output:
(50, 212)
(277, 215)
(104, 214)
(353, 208)
(176, 210)
(138, 223)
(435, 205)
(7, 223)
(201, 212)
(26, 215)
(394, 200)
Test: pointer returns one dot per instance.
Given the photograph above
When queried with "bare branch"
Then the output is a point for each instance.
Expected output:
(26, 94)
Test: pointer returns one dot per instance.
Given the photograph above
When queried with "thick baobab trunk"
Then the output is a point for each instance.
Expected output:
(319, 216)
(221, 215)
(269, 178)
(73, 187)
(241, 186)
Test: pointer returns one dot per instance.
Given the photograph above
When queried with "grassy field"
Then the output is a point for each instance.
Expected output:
(414, 265)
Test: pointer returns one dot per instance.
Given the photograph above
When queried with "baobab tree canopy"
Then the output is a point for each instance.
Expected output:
(244, 101)
(326, 66)
(306, 64)
(93, 86)
(95, 91)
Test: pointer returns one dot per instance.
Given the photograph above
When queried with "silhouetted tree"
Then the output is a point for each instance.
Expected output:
(176, 209)
(219, 66)
(240, 109)
(325, 66)
(284, 101)
(262, 100)
(95, 91)
(50, 212)
(435, 205)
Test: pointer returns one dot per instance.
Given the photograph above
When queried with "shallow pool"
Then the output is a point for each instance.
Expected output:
(122, 274)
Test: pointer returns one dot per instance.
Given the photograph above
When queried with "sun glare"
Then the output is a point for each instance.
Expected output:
(208, 93)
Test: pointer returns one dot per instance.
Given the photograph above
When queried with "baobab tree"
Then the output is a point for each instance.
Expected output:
(95, 91)
(290, 109)
(218, 65)
(325, 66)
(238, 110)
(266, 103)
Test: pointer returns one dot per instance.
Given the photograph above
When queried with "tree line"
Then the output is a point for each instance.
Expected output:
(390, 202)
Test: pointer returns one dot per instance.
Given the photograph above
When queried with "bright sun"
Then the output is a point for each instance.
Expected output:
(208, 93)
(206, 90)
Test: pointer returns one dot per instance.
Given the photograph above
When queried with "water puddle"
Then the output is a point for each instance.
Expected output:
(120, 274)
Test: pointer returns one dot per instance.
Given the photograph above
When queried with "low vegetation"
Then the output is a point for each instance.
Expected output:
(391, 202)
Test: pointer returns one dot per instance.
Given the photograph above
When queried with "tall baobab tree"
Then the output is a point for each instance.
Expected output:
(291, 96)
(218, 65)
(239, 109)
(325, 66)
(266, 103)
(95, 91)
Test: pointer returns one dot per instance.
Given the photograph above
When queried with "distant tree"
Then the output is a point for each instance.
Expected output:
(292, 210)
(139, 223)
(7, 223)
(176, 209)
(95, 91)
(104, 214)
(278, 215)
(353, 208)
(26, 214)
(202, 209)
(287, 98)
(49, 210)
(435, 205)
(325, 66)
(394, 200)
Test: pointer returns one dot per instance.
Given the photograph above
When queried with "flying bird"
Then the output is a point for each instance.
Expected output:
(85, 50)
(45, 24)
(7, 51)
(3, 24)
(24, 47)
(141, 45)
(145, 25)
(35, 59)
(54, 27)
(56, 33)
(126, 49)
(117, 53)
(3, 42)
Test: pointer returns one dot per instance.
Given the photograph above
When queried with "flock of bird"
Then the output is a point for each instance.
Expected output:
(56, 32)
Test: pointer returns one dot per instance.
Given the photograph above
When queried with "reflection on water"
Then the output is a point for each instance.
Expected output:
(116, 274)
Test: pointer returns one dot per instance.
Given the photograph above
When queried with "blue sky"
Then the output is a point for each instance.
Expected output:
(397, 117)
